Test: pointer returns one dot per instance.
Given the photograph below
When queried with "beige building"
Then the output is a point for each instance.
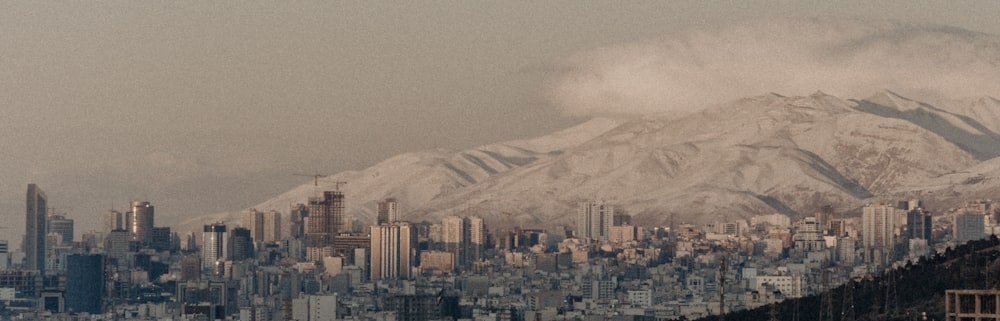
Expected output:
(437, 261)
(392, 251)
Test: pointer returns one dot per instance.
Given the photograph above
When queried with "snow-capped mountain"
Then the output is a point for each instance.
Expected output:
(756, 155)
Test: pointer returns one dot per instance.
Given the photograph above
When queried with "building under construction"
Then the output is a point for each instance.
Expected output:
(972, 305)
(325, 218)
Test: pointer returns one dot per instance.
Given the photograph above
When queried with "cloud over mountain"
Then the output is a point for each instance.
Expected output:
(845, 57)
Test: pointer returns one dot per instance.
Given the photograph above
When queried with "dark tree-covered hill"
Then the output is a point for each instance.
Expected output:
(905, 293)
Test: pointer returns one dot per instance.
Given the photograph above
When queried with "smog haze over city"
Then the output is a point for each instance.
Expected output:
(203, 107)
(499, 161)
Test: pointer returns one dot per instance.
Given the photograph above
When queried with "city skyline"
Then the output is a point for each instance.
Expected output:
(128, 89)
(780, 258)
(499, 161)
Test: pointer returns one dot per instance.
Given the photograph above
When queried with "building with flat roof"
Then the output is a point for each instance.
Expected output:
(84, 283)
(213, 244)
(969, 226)
(388, 211)
(594, 220)
(878, 222)
(35, 229)
(392, 251)
(63, 226)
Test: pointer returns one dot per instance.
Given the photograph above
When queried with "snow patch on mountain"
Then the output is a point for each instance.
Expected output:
(756, 155)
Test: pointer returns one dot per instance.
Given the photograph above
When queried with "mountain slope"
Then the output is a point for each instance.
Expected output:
(421, 177)
(759, 155)
(756, 155)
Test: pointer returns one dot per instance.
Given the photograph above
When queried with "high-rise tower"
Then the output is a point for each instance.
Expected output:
(139, 222)
(298, 214)
(63, 226)
(272, 226)
(474, 238)
(388, 211)
(213, 244)
(240, 244)
(325, 220)
(878, 222)
(594, 220)
(464, 237)
(969, 226)
(254, 221)
(392, 251)
(112, 221)
(34, 230)
(452, 234)
(84, 283)
(918, 224)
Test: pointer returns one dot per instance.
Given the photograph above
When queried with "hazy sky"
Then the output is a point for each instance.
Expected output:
(209, 106)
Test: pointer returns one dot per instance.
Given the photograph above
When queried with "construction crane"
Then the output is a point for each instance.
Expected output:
(315, 177)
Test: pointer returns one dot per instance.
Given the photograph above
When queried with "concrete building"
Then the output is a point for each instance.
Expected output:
(620, 217)
(84, 283)
(325, 220)
(256, 313)
(162, 239)
(63, 227)
(808, 235)
(316, 308)
(464, 237)
(113, 221)
(622, 234)
(778, 220)
(392, 251)
(451, 230)
(118, 245)
(272, 227)
(437, 262)
(474, 238)
(452, 235)
(297, 216)
(253, 220)
(969, 226)
(640, 298)
(878, 222)
(918, 224)
(191, 268)
(26, 283)
(4, 255)
(240, 244)
(388, 211)
(599, 288)
(971, 305)
(791, 286)
(594, 220)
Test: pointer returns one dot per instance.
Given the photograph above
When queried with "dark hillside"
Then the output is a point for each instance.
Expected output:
(901, 294)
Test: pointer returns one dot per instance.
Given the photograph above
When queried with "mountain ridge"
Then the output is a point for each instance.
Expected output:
(755, 155)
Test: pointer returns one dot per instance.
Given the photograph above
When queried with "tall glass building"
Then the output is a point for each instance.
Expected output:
(139, 222)
(84, 283)
(35, 229)
(213, 244)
